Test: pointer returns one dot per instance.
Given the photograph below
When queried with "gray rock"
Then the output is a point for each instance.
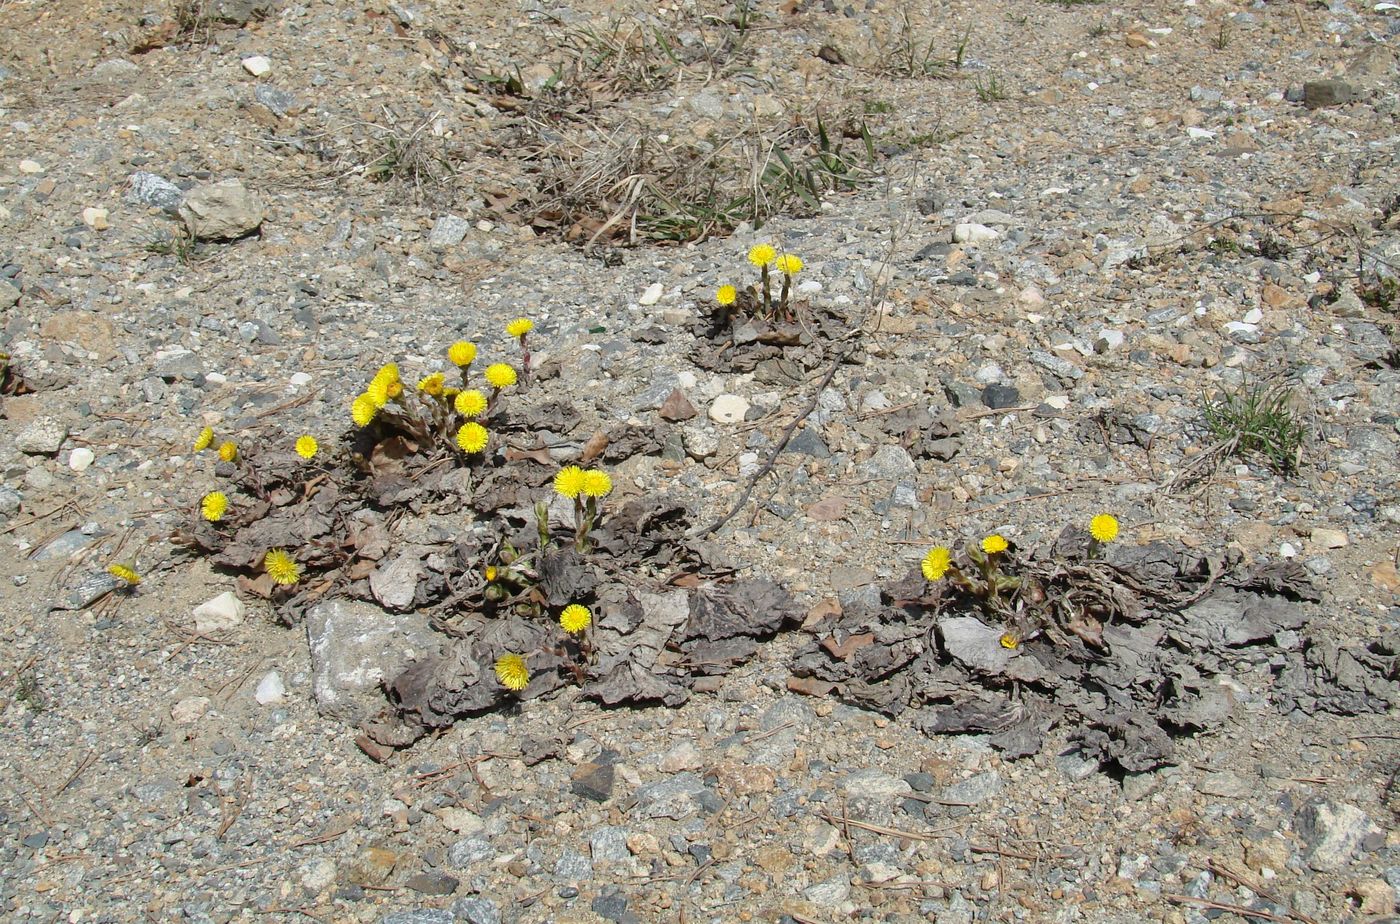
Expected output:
(871, 783)
(238, 12)
(354, 647)
(962, 394)
(10, 501)
(395, 583)
(701, 441)
(279, 101)
(829, 893)
(890, 463)
(469, 850)
(1329, 92)
(42, 436)
(806, 442)
(1333, 832)
(9, 295)
(476, 911)
(420, 916)
(974, 789)
(573, 866)
(608, 844)
(432, 883)
(177, 364)
(448, 231)
(115, 70)
(221, 211)
(155, 191)
(999, 396)
(778, 748)
(671, 798)
(1052, 363)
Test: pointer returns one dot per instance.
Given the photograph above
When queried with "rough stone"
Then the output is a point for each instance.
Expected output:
(216, 614)
(42, 436)
(1333, 832)
(155, 191)
(728, 409)
(354, 647)
(221, 211)
(1330, 92)
(476, 910)
(448, 231)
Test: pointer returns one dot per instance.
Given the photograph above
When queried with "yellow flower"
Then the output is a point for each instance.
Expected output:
(789, 264)
(469, 403)
(228, 451)
(394, 390)
(462, 353)
(213, 506)
(596, 483)
(520, 327)
(431, 385)
(124, 573)
(726, 295)
(281, 567)
(363, 409)
(389, 372)
(1010, 641)
(1104, 527)
(204, 440)
(491, 572)
(472, 437)
(762, 254)
(569, 481)
(575, 618)
(936, 562)
(377, 392)
(994, 543)
(499, 375)
(307, 447)
(512, 673)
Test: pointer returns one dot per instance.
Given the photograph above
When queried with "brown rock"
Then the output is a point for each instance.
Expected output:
(82, 329)
(1384, 576)
(775, 859)
(1138, 40)
(677, 407)
(372, 866)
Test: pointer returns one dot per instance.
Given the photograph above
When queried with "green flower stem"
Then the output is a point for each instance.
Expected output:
(767, 292)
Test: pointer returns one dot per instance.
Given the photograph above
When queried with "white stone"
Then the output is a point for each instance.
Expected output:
(30, 166)
(270, 689)
(971, 233)
(728, 409)
(318, 876)
(189, 711)
(257, 65)
(1253, 316)
(460, 820)
(1329, 538)
(808, 287)
(96, 218)
(1287, 550)
(301, 378)
(80, 458)
(1199, 134)
(218, 613)
(652, 295)
(686, 379)
(684, 756)
(1058, 402)
(1108, 340)
(1031, 297)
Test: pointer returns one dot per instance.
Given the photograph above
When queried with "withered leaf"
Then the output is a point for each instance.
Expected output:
(593, 448)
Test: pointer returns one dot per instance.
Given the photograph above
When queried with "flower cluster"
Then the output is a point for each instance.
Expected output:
(512, 672)
(585, 487)
(767, 259)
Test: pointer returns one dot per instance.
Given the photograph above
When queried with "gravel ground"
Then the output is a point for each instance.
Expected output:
(1088, 218)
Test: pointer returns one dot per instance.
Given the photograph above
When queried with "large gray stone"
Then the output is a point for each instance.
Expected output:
(357, 646)
(1333, 832)
(239, 12)
(221, 211)
(155, 191)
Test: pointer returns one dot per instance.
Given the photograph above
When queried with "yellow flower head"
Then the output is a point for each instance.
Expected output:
(394, 390)
(363, 409)
(512, 672)
(761, 255)
(490, 572)
(431, 385)
(726, 295)
(789, 264)
(994, 543)
(569, 481)
(124, 573)
(1104, 527)
(469, 403)
(1010, 641)
(228, 451)
(575, 618)
(936, 562)
(307, 447)
(213, 506)
(204, 440)
(462, 353)
(389, 372)
(596, 483)
(520, 327)
(281, 567)
(500, 375)
(377, 391)
(472, 437)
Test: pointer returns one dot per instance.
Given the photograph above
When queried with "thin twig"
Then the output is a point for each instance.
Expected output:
(1241, 910)
(83, 764)
(849, 822)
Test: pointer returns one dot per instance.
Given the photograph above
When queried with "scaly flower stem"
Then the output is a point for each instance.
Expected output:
(767, 292)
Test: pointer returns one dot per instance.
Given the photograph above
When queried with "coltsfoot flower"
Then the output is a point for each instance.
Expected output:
(520, 327)
(569, 481)
(789, 264)
(228, 451)
(432, 385)
(377, 391)
(726, 295)
(936, 563)
(307, 447)
(1104, 527)
(389, 372)
(597, 483)
(213, 506)
(363, 409)
(281, 567)
(124, 573)
(1010, 641)
(575, 618)
(512, 672)
(500, 375)
(462, 353)
(761, 255)
(469, 403)
(472, 437)
(994, 543)
(204, 440)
